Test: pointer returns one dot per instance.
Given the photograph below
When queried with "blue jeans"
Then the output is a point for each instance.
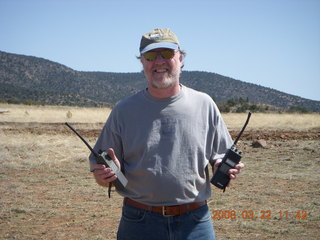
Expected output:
(138, 224)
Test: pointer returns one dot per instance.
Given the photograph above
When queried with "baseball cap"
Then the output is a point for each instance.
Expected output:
(159, 38)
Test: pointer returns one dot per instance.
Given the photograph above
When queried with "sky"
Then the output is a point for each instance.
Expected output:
(272, 43)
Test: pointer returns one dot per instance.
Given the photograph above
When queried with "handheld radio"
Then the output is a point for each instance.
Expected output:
(232, 157)
(105, 159)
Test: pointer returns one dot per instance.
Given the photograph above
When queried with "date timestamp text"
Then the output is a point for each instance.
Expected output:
(263, 214)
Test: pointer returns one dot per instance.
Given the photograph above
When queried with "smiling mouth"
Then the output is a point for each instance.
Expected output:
(160, 70)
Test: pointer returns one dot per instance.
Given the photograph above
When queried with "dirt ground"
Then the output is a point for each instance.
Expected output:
(47, 191)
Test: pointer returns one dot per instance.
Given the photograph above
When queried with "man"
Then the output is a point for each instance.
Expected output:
(164, 137)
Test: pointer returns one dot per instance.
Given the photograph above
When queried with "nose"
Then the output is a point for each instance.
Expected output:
(159, 59)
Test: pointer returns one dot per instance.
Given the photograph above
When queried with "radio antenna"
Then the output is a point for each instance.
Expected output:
(244, 127)
(83, 140)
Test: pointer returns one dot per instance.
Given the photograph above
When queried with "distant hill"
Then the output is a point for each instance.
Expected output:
(27, 79)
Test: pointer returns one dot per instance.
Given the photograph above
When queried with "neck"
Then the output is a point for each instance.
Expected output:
(164, 92)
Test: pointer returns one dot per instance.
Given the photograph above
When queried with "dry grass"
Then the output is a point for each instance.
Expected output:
(273, 121)
(47, 191)
(52, 114)
(279, 178)
(56, 114)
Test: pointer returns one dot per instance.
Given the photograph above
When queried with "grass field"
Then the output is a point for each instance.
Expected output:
(47, 191)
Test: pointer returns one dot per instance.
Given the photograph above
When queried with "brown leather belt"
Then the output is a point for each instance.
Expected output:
(166, 210)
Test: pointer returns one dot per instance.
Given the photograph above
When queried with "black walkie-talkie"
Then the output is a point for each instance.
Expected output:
(105, 159)
(232, 157)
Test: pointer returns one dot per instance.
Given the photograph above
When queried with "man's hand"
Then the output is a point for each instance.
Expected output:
(233, 172)
(104, 175)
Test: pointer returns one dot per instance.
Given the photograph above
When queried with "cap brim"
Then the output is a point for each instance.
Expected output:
(152, 46)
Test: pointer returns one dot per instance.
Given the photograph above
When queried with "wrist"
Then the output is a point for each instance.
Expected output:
(212, 162)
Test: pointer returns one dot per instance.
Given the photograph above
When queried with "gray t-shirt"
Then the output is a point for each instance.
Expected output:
(165, 145)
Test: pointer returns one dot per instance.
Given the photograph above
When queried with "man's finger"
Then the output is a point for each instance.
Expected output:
(114, 157)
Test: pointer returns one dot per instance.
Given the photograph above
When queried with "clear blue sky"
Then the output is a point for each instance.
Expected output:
(273, 43)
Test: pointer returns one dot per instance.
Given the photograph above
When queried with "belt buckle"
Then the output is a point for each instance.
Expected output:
(164, 212)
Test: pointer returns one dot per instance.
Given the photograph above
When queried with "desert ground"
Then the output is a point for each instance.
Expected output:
(47, 191)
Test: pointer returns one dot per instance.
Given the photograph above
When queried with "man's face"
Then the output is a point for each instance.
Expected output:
(162, 73)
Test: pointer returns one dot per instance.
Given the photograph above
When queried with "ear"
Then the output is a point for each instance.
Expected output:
(181, 59)
(142, 60)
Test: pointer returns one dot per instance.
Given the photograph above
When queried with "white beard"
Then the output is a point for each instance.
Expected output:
(170, 80)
